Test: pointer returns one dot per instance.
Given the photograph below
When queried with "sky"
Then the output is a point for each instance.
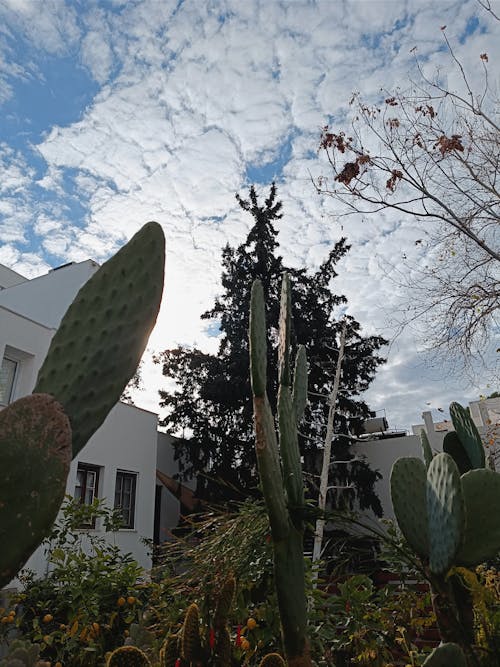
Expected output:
(113, 113)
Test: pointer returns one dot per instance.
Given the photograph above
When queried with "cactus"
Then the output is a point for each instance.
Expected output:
(272, 660)
(224, 602)
(280, 469)
(102, 336)
(35, 455)
(223, 648)
(191, 642)
(91, 358)
(446, 655)
(426, 448)
(441, 513)
(128, 656)
(169, 651)
(21, 654)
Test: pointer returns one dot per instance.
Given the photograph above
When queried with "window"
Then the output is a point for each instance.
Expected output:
(125, 496)
(8, 372)
(87, 487)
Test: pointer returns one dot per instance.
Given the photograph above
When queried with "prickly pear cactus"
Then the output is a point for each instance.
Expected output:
(272, 660)
(102, 337)
(409, 499)
(21, 654)
(446, 655)
(453, 447)
(468, 435)
(426, 448)
(128, 656)
(481, 490)
(445, 511)
(35, 455)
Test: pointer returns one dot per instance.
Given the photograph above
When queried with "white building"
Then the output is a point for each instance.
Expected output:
(383, 448)
(121, 460)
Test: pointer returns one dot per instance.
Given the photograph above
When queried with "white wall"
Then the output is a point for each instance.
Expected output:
(45, 299)
(8, 277)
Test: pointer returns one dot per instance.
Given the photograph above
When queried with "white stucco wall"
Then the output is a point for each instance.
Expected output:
(45, 299)
(9, 278)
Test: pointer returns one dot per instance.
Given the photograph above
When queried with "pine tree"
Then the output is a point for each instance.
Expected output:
(211, 407)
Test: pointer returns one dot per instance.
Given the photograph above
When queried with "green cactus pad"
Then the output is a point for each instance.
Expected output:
(426, 448)
(408, 493)
(445, 511)
(102, 337)
(191, 642)
(258, 340)
(128, 656)
(35, 455)
(300, 383)
(446, 655)
(453, 447)
(481, 491)
(272, 660)
(468, 435)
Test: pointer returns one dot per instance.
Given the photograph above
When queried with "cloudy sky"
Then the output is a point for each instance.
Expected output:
(118, 112)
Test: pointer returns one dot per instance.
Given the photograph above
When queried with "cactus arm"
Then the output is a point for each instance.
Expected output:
(284, 332)
(35, 455)
(266, 444)
(468, 435)
(426, 448)
(299, 392)
(102, 337)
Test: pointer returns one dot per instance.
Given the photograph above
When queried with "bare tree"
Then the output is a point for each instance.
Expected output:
(431, 154)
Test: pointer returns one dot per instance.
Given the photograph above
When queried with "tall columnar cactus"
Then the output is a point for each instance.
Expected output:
(128, 656)
(280, 468)
(93, 354)
(447, 520)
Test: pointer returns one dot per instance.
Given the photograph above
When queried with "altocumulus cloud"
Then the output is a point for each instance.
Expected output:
(122, 112)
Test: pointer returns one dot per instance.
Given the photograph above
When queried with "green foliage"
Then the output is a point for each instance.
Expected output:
(211, 399)
(90, 596)
(21, 654)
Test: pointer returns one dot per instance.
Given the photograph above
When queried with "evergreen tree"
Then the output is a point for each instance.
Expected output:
(211, 407)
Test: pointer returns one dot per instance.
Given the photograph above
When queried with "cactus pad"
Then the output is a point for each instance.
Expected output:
(169, 651)
(468, 435)
(481, 491)
(453, 447)
(446, 655)
(426, 448)
(101, 339)
(35, 455)
(128, 656)
(408, 493)
(445, 511)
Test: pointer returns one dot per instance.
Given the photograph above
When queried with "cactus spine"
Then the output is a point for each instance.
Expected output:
(280, 469)
(93, 354)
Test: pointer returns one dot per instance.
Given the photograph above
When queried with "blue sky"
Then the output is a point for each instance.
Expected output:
(114, 113)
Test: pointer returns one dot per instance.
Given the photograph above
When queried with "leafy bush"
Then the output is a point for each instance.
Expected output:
(91, 595)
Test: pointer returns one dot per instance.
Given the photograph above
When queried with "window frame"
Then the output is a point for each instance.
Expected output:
(87, 468)
(12, 388)
(131, 509)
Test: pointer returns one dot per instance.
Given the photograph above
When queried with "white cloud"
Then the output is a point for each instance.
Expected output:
(190, 95)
